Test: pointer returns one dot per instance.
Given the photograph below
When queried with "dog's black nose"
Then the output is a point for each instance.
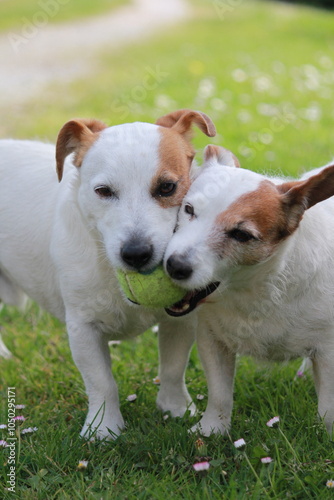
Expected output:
(178, 267)
(136, 253)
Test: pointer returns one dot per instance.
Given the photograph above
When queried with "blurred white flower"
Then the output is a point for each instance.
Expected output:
(262, 83)
(266, 109)
(29, 430)
(313, 113)
(265, 137)
(239, 75)
(218, 104)
(163, 101)
(206, 88)
(244, 116)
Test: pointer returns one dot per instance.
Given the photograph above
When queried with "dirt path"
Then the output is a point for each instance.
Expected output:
(40, 52)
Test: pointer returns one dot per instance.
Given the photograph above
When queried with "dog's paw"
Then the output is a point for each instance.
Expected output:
(176, 406)
(107, 429)
(208, 426)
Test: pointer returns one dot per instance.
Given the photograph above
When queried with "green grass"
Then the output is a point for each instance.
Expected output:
(153, 457)
(18, 15)
(262, 60)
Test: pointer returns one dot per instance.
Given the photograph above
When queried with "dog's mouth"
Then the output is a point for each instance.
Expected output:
(191, 300)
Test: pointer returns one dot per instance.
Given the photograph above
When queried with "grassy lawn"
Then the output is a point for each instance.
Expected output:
(264, 72)
(19, 13)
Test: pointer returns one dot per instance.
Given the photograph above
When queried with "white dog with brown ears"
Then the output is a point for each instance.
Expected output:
(60, 243)
(265, 248)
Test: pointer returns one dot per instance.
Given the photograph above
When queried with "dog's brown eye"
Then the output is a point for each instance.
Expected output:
(189, 209)
(240, 235)
(167, 189)
(104, 191)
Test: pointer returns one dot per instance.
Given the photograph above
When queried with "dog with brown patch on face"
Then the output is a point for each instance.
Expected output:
(61, 243)
(258, 253)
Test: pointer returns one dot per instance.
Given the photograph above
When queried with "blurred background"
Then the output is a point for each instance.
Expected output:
(263, 70)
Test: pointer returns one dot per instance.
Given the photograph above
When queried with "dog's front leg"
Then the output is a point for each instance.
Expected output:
(323, 369)
(91, 355)
(176, 338)
(219, 366)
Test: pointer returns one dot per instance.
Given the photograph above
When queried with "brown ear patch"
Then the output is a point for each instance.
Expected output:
(175, 158)
(76, 136)
(311, 191)
(261, 208)
(298, 196)
(183, 119)
(259, 212)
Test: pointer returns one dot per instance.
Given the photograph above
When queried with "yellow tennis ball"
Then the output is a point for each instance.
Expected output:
(154, 289)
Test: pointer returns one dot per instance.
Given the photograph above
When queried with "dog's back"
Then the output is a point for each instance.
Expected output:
(28, 191)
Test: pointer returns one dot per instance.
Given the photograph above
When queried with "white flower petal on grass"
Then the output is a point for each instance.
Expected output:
(3, 426)
(20, 407)
(29, 430)
(132, 397)
(82, 464)
(240, 443)
(200, 466)
(3, 443)
(266, 460)
(199, 397)
(330, 483)
(155, 328)
(273, 422)
(156, 380)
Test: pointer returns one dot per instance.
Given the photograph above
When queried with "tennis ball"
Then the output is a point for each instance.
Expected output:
(153, 289)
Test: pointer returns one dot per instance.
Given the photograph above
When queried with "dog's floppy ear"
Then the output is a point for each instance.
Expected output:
(76, 136)
(182, 120)
(298, 196)
(221, 155)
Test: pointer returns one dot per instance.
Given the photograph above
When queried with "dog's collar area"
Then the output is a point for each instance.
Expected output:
(191, 300)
